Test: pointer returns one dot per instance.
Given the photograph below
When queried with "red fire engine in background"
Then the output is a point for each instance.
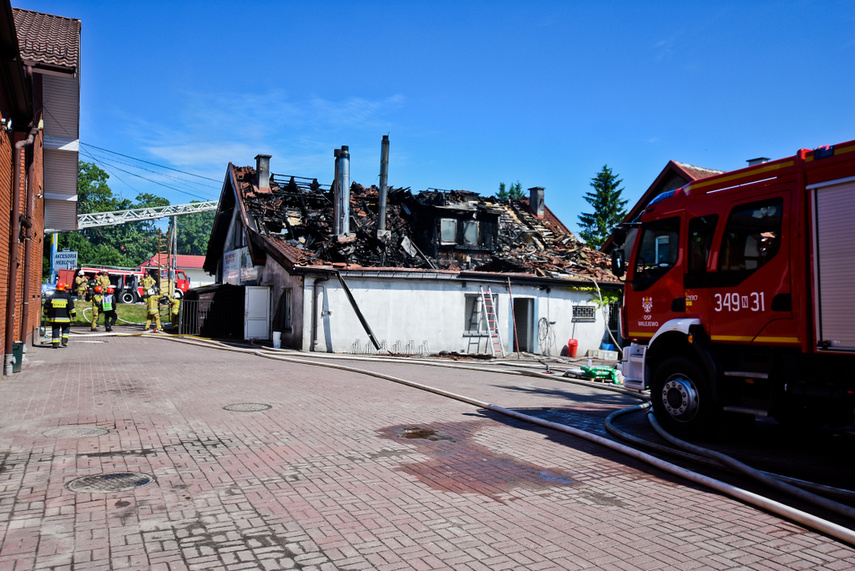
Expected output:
(738, 295)
(128, 281)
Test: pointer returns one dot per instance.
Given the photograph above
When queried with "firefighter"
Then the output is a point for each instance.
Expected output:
(59, 309)
(81, 283)
(104, 280)
(153, 312)
(149, 283)
(90, 288)
(97, 298)
(108, 307)
(174, 307)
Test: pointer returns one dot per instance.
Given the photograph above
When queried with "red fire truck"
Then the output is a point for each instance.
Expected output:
(127, 281)
(737, 296)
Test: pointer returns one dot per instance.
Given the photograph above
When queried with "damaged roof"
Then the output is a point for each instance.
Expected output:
(293, 221)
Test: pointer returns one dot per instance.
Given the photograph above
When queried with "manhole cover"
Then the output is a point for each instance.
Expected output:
(247, 407)
(76, 431)
(116, 482)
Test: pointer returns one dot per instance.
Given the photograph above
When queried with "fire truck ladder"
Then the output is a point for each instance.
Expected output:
(489, 312)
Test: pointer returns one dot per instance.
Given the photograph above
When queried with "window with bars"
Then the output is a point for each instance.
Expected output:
(584, 314)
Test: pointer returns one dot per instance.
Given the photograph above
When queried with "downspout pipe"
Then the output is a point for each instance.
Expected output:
(28, 255)
(384, 175)
(19, 163)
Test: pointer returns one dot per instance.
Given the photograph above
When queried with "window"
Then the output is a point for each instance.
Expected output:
(470, 232)
(474, 323)
(657, 251)
(282, 316)
(448, 230)
(584, 314)
(752, 236)
(701, 230)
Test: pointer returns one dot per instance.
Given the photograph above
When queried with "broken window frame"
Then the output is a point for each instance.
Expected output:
(283, 310)
(445, 227)
(474, 323)
(467, 226)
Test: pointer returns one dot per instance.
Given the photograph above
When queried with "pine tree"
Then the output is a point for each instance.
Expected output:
(609, 209)
(513, 191)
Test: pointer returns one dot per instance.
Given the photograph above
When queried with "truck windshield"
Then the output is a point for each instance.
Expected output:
(657, 250)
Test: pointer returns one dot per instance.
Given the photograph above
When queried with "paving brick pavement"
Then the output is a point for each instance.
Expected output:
(343, 471)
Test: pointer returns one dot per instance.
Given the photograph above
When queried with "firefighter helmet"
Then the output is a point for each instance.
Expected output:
(110, 289)
(60, 286)
(97, 289)
(80, 273)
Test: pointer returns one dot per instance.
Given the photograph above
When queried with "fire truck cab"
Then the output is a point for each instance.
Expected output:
(737, 295)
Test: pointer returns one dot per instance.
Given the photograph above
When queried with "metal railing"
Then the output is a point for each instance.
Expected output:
(211, 318)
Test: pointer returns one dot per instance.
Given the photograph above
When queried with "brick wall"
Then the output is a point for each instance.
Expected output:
(30, 163)
(7, 147)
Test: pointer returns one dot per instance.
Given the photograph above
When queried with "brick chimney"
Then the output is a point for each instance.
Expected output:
(535, 200)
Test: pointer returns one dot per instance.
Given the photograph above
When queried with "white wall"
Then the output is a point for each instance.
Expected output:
(428, 315)
(198, 277)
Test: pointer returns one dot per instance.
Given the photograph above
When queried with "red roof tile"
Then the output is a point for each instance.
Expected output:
(48, 40)
(183, 261)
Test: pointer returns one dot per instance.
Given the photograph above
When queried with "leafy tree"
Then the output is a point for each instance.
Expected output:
(194, 230)
(513, 191)
(127, 244)
(609, 209)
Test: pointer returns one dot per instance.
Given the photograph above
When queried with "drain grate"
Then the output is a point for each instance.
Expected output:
(115, 482)
(247, 407)
(76, 431)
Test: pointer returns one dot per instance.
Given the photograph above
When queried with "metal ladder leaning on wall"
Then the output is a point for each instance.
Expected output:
(489, 312)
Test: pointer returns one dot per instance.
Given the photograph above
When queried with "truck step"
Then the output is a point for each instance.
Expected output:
(746, 410)
(747, 374)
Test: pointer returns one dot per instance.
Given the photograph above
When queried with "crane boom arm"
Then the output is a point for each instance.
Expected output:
(95, 219)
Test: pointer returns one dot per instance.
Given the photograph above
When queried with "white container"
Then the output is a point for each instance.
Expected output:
(277, 336)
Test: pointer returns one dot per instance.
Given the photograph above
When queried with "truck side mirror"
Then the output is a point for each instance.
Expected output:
(618, 262)
(619, 236)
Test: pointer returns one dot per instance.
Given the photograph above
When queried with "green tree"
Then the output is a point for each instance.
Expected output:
(513, 191)
(194, 230)
(609, 209)
(127, 244)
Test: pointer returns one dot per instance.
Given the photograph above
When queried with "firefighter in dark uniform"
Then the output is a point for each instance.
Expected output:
(108, 308)
(96, 306)
(59, 309)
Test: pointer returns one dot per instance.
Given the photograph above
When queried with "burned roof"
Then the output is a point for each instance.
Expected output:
(295, 217)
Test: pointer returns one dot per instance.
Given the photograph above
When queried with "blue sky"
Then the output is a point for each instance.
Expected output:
(471, 94)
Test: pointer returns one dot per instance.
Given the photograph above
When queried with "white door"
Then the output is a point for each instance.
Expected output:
(256, 321)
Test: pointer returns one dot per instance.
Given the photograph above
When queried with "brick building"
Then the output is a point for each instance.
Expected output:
(39, 110)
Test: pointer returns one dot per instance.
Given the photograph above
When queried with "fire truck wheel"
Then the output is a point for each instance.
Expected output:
(682, 398)
(127, 297)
